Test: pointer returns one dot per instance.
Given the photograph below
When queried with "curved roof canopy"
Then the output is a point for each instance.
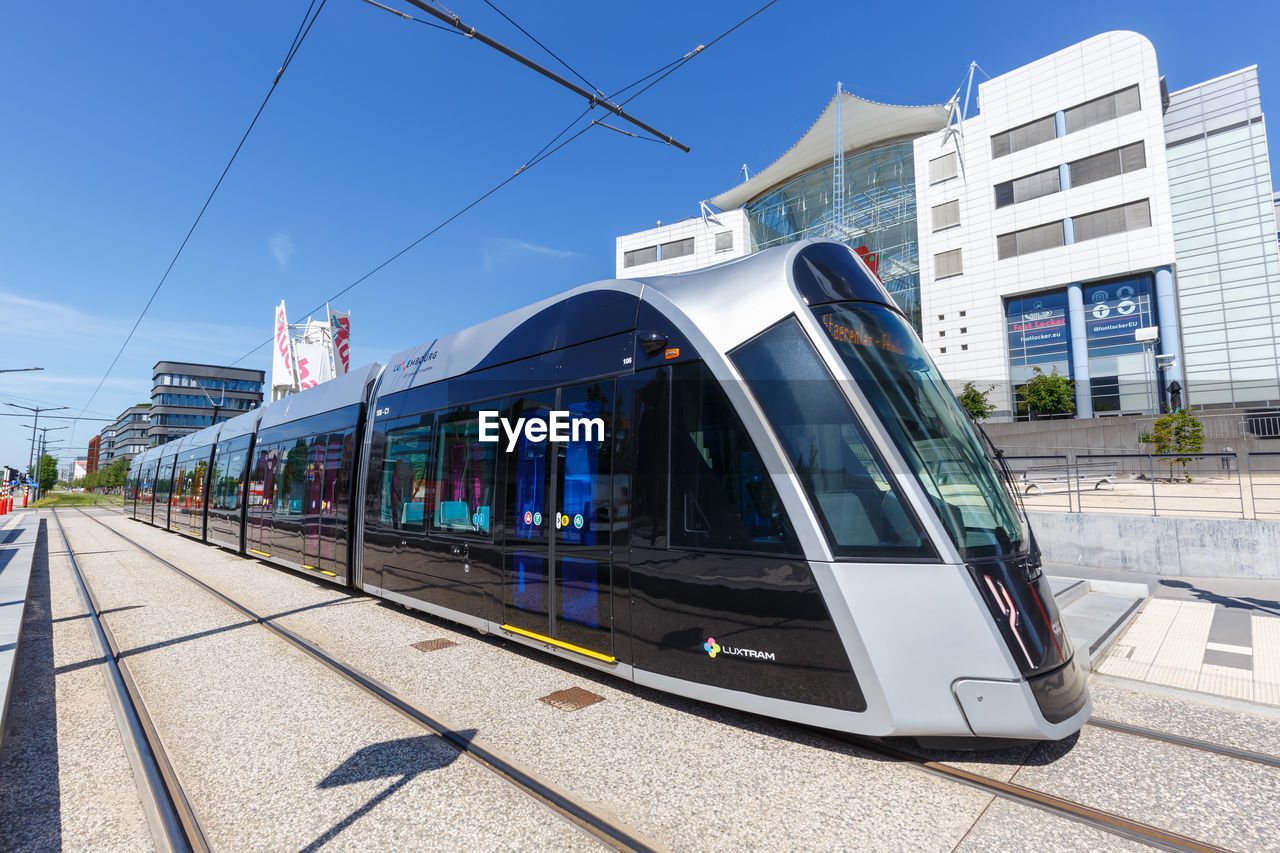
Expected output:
(866, 123)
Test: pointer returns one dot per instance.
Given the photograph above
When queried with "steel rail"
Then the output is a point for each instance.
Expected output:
(604, 829)
(1110, 822)
(172, 818)
(1182, 740)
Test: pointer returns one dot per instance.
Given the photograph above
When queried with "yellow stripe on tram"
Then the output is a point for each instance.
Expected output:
(259, 553)
(570, 646)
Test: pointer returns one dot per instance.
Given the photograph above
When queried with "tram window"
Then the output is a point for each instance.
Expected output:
(293, 471)
(408, 494)
(721, 495)
(464, 467)
(861, 511)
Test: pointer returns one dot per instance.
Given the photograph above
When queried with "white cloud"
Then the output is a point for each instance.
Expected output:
(501, 248)
(282, 248)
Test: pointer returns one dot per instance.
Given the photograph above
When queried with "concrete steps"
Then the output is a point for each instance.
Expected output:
(1095, 612)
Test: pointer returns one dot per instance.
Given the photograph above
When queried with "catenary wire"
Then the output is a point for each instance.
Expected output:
(543, 46)
(535, 160)
(298, 38)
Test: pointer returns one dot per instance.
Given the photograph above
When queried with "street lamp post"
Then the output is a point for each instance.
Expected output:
(37, 410)
(44, 443)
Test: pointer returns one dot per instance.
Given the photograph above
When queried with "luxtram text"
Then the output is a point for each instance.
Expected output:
(558, 426)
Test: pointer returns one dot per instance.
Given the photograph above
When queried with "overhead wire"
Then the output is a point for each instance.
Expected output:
(553, 54)
(537, 158)
(304, 28)
(409, 17)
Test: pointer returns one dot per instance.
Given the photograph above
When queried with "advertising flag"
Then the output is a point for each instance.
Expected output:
(284, 370)
(341, 341)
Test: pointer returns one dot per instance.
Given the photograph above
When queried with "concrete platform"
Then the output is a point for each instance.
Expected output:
(17, 550)
(1096, 612)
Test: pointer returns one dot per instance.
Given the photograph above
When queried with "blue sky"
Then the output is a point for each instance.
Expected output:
(119, 118)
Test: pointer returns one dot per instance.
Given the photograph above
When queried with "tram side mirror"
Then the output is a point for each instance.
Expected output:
(653, 342)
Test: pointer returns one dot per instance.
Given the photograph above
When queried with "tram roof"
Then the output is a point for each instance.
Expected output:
(337, 393)
(737, 287)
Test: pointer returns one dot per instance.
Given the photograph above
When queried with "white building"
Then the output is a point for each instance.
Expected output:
(689, 244)
(1079, 203)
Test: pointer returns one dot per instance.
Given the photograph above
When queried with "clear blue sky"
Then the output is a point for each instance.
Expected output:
(119, 118)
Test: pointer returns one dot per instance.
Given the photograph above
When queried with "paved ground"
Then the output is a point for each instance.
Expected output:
(260, 732)
(1214, 635)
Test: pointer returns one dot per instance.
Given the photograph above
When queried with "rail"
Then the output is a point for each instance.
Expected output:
(1205, 485)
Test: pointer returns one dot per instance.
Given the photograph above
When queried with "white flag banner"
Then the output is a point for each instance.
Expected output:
(283, 368)
(314, 365)
(341, 341)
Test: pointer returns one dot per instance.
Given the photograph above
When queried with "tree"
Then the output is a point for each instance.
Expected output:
(1049, 393)
(1178, 432)
(975, 402)
(48, 468)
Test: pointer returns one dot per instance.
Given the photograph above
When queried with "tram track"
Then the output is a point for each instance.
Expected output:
(1109, 822)
(603, 828)
(1101, 819)
(173, 821)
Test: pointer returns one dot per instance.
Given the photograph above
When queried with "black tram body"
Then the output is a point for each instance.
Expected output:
(774, 504)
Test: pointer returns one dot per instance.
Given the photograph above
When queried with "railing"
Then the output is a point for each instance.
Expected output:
(1206, 485)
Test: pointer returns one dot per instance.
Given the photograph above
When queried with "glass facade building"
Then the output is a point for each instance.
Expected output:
(187, 397)
(879, 215)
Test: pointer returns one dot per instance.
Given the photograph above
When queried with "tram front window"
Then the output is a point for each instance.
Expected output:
(926, 422)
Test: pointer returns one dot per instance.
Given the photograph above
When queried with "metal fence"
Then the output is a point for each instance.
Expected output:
(1207, 485)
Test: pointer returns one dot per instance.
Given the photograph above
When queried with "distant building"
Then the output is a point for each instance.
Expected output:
(187, 397)
(95, 449)
(127, 437)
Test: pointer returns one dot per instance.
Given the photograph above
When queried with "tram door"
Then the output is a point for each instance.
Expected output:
(557, 578)
(313, 531)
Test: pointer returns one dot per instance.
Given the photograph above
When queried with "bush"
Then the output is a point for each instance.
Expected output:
(975, 402)
(1178, 432)
(1049, 393)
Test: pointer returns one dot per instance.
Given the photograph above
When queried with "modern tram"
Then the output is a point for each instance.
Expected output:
(775, 503)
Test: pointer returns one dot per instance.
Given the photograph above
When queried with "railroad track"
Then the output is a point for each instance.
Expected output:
(604, 828)
(1106, 821)
(620, 838)
(171, 817)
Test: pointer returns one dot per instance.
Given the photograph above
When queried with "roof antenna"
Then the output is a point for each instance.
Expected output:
(746, 176)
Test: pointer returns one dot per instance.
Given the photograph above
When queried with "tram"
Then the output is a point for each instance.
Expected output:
(775, 503)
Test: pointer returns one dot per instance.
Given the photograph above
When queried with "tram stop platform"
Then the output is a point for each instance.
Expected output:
(1218, 636)
(18, 533)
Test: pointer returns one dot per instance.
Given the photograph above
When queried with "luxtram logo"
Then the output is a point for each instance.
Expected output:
(712, 648)
(414, 362)
(558, 426)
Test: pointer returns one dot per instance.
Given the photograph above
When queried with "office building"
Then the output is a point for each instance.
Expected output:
(186, 397)
(1079, 217)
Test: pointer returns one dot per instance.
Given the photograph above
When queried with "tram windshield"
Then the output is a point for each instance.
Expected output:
(933, 433)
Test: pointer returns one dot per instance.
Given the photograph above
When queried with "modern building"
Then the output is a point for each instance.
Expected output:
(1083, 218)
(186, 397)
(689, 244)
(127, 437)
(95, 450)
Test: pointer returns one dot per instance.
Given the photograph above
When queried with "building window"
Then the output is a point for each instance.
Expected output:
(964, 329)
(962, 313)
(1026, 188)
(1024, 136)
(647, 255)
(942, 350)
(942, 334)
(964, 346)
(724, 241)
(943, 168)
(1103, 109)
(947, 264)
(1113, 220)
(1108, 164)
(946, 215)
(1029, 240)
(677, 249)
